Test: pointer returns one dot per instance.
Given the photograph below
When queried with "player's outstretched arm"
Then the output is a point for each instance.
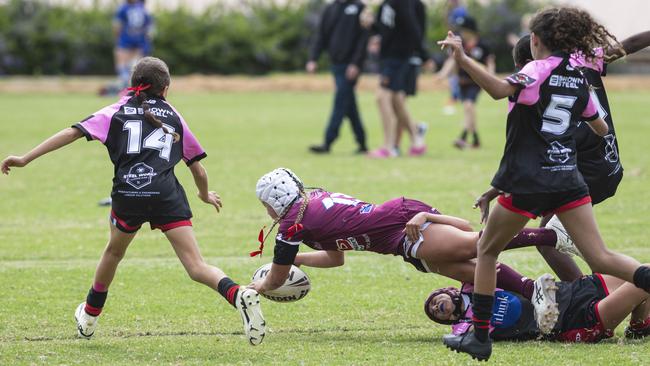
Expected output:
(413, 226)
(497, 88)
(60, 139)
(275, 279)
(599, 126)
(201, 180)
(320, 259)
(630, 45)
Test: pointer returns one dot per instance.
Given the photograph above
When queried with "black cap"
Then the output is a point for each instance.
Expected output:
(467, 23)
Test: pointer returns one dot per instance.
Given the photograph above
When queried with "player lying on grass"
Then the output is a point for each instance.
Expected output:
(333, 223)
(590, 308)
(146, 137)
(598, 158)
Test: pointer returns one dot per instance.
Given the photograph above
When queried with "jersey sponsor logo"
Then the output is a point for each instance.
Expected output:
(558, 153)
(349, 244)
(161, 112)
(570, 68)
(561, 81)
(388, 16)
(521, 79)
(151, 101)
(367, 208)
(351, 10)
(130, 110)
(140, 175)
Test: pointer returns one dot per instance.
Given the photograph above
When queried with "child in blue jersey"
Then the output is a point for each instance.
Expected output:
(146, 137)
(538, 172)
(132, 27)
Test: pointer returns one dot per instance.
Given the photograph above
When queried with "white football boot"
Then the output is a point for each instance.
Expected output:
(248, 304)
(546, 308)
(564, 242)
(86, 324)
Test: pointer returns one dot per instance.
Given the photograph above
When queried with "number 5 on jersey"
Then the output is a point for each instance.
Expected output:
(157, 140)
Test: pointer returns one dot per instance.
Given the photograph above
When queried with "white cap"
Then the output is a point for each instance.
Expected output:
(279, 189)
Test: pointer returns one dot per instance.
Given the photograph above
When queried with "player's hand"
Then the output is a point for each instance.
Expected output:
(352, 72)
(257, 285)
(455, 44)
(211, 198)
(413, 226)
(483, 203)
(311, 67)
(17, 161)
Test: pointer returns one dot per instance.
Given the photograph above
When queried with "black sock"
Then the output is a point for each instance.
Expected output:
(95, 302)
(476, 140)
(482, 308)
(463, 136)
(228, 289)
(642, 278)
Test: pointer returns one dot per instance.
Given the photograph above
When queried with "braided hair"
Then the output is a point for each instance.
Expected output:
(150, 77)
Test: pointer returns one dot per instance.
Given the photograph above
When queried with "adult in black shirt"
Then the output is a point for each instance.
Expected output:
(341, 34)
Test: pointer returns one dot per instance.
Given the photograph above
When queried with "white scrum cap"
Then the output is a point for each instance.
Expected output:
(279, 189)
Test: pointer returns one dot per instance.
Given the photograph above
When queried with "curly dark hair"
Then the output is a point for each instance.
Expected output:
(571, 30)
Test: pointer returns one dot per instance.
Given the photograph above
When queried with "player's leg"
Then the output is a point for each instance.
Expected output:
(88, 311)
(469, 107)
(388, 120)
(502, 225)
(245, 300)
(562, 264)
(613, 309)
(404, 119)
(121, 66)
(581, 226)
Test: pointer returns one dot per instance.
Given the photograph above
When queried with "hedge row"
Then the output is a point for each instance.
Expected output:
(37, 38)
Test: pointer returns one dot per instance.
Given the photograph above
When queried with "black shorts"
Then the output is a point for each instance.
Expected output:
(132, 223)
(579, 320)
(411, 82)
(533, 205)
(469, 92)
(393, 74)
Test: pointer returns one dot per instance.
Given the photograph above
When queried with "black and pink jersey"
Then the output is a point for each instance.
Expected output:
(144, 156)
(598, 157)
(540, 151)
(335, 221)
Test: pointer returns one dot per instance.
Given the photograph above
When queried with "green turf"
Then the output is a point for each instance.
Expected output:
(367, 312)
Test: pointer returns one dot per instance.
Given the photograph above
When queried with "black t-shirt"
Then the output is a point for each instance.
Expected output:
(540, 151)
(144, 156)
(597, 156)
(397, 24)
(479, 52)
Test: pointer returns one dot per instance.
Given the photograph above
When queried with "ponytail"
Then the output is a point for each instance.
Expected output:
(149, 117)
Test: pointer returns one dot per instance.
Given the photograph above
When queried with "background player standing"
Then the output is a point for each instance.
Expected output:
(146, 137)
(340, 32)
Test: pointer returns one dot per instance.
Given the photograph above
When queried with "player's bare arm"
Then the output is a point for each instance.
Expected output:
(497, 88)
(630, 45)
(201, 180)
(60, 139)
(414, 225)
(276, 277)
(320, 259)
(483, 202)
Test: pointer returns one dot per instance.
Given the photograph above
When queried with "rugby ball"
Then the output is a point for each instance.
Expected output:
(294, 288)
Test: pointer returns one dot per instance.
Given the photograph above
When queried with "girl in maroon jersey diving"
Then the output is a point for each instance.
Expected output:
(333, 223)
(146, 137)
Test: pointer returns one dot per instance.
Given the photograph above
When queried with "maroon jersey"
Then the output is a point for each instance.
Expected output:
(335, 221)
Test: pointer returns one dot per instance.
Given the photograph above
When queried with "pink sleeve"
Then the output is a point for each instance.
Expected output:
(596, 63)
(97, 125)
(192, 150)
(591, 110)
(531, 77)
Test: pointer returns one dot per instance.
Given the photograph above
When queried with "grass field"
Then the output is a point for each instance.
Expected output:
(368, 312)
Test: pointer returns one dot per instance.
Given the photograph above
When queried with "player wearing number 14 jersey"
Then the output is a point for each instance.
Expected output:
(146, 137)
(333, 223)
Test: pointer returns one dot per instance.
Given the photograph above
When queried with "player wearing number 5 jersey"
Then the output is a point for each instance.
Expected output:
(333, 223)
(538, 172)
(146, 137)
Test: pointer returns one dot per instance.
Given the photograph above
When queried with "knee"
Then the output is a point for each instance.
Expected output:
(599, 260)
(487, 249)
(196, 271)
(115, 252)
